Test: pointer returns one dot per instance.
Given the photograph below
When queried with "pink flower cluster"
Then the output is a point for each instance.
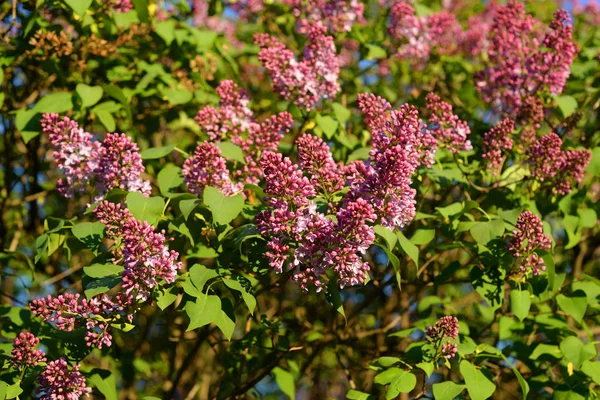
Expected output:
(121, 6)
(246, 9)
(496, 141)
(334, 15)
(416, 37)
(68, 312)
(315, 159)
(112, 163)
(520, 64)
(400, 144)
(446, 328)
(305, 82)
(59, 382)
(207, 168)
(75, 152)
(143, 251)
(235, 121)
(302, 237)
(550, 164)
(24, 354)
(528, 237)
(447, 127)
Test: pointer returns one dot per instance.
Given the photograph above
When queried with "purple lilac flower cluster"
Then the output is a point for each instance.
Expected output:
(24, 354)
(550, 164)
(497, 141)
(529, 237)
(446, 126)
(235, 121)
(59, 382)
(113, 163)
(121, 6)
(305, 82)
(334, 15)
(446, 328)
(400, 144)
(207, 168)
(302, 237)
(143, 251)
(520, 64)
(68, 312)
(416, 37)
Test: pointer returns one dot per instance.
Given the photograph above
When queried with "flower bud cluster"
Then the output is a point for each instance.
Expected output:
(334, 15)
(446, 328)
(446, 126)
(527, 238)
(24, 354)
(235, 121)
(304, 82)
(520, 64)
(59, 382)
(142, 250)
(496, 141)
(113, 163)
(560, 168)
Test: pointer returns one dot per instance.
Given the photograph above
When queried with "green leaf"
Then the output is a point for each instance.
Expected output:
(567, 104)
(422, 236)
(387, 235)
(543, 348)
(479, 385)
(571, 224)
(592, 369)
(14, 390)
(203, 311)
(447, 390)
(409, 248)
(484, 232)
(178, 96)
(341, 113)
(169, 179)
(89, 233)
(332, 295)
(3, 390)
(41, 246)
(102, 285)
(428, 367)
(403, 383)
(450, 210)
(106, 119)
(157, 152)
(575, 305)
(356, 395)
(587, 217)
(387, 376)
(286, 382)
(27, 122)
(102, 270)
(166, 30)
(166, 297)
(187, 206)
(224, 208)
(359, 154)
(90, 95)
(141, 7)
(231, 151)
(199, 275)
(375, 52)
(575, 351)
(225, 320)
(79, 6)
(57, 102)
(520, 302)
(107, 385)
(248, 298)
(144, 208)
(327, 124)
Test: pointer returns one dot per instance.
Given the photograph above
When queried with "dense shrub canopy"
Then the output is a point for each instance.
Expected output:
(311, 198)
